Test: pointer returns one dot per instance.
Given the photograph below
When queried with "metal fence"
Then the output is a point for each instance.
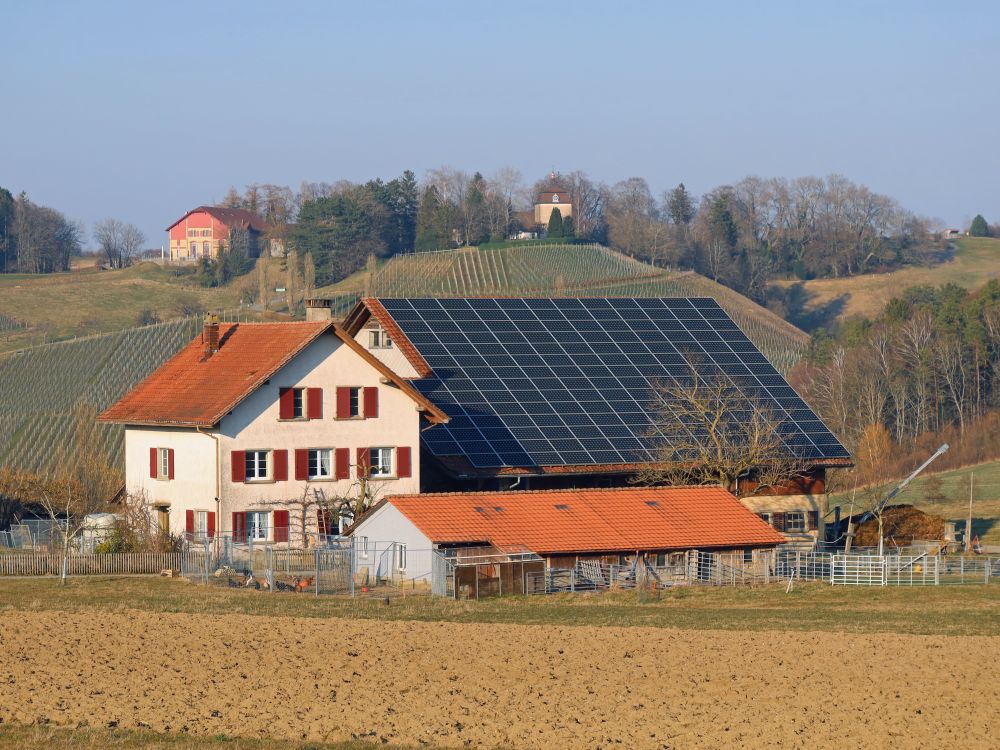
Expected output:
(131, 563)
(913, 570)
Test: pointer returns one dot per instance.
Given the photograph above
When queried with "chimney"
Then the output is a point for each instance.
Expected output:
(318, 309)
(210, 335)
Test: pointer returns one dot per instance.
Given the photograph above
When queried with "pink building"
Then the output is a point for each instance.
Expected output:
(200, 231)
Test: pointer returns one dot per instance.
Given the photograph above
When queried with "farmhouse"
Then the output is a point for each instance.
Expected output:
(556, 393)
(563, 527)
(250, 416)
(202, 231)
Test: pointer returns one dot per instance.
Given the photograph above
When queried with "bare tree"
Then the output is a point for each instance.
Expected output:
(120, 242)
(708, 432)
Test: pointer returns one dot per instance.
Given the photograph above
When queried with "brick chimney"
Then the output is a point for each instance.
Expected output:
(210, 335)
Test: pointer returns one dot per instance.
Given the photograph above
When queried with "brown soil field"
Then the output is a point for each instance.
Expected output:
(494, 685)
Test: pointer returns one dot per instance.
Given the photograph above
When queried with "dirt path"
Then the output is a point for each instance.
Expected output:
(497, 685)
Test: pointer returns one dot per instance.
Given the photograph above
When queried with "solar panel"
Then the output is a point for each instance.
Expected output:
(569, 381)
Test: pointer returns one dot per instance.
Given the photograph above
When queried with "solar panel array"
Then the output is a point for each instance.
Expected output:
(550, 382)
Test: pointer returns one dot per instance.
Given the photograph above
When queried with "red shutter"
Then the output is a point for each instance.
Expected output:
(812, 520)
(371, 403)
(239, 527)
(343, 402)
(239, 466)
(342, 463)
(189, 521)
(286, 403)
(280, 466)
(314, 403)
(281, 525)
(301, 464)
(170, 463)
(152, 463)
(211, 524)
(364, 462)
(403, 462)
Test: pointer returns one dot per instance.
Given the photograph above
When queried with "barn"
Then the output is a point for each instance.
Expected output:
(560, 528)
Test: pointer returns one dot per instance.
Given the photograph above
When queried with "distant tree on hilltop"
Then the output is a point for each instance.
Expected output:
(979, 227)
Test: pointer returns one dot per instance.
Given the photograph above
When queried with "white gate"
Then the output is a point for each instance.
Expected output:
(858, 570)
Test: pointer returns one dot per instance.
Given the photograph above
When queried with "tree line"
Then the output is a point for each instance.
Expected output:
(925, 371)
(742, 235)
(34, 238)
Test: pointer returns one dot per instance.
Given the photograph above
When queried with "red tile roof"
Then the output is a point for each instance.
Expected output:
(378, 311)
(231, 217)
(589, 520)
(192, 391)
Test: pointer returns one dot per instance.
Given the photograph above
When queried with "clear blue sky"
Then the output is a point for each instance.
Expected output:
(143, 110)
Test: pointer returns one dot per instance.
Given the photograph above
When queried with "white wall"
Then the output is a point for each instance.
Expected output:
(387, 525)
(193, 485)
(393, 357)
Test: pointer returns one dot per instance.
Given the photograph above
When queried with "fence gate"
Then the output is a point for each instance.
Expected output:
(858, 570)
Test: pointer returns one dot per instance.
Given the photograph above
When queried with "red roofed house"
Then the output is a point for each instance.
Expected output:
(252, 414)
(199, 232)
(566, 526)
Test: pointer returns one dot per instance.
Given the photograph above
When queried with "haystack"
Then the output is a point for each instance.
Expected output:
(901, 524)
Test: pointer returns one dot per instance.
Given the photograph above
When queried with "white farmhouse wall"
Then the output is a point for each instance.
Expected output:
(255, 425)
(392, 357)
(193, 485)
(388, 526)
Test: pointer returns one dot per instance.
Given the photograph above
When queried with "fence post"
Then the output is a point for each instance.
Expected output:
(572, 580)
(316, 581)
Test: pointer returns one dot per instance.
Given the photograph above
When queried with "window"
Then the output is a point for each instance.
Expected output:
(320, 463)
(362, 542)
(256, 466)
(381, 462)
(192, 233)
(162, 463)
(206, 232)
(207, 248)
(401, 556)
(765, 517)
(257, 525)
(379, 339)
(354, 406)
(795, 521)
(298, 403)
(748, 555)
(201, 524)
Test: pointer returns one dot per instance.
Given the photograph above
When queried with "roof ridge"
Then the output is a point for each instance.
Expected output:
(559, 491)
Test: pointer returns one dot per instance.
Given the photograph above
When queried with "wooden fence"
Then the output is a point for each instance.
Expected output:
(130, 563)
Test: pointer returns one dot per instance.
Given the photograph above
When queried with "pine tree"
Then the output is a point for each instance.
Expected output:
(569, 227)
(979, 227)
(680, 206)
(555, 223)
(431, 232)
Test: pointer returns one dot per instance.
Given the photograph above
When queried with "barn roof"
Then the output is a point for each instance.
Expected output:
(588, 520)
(568, 385)
(193, 390)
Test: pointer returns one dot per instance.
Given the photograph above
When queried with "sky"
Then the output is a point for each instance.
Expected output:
(141, 111)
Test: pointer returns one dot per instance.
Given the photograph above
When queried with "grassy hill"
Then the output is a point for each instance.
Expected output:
(52, 307)
(575, 270)
(975, 261)
(955, 505)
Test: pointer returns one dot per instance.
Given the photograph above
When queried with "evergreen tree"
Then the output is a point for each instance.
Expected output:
(569, 227)
(555, 224)
(432, 230)
(979, 227)
(680, 206)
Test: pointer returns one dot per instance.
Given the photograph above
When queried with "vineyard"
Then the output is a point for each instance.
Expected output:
(573, 270)
(43, 385)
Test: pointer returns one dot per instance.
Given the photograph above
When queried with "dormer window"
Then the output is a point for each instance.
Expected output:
(379, 339)
(555, 197)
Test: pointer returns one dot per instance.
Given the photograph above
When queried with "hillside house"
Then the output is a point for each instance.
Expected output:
(202, 231)
(563, 527)
(248, 417)
(556, 393)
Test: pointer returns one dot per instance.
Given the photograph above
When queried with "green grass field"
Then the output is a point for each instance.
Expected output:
(80, 303)
(955, 505)
(942, 610)
(976, 261)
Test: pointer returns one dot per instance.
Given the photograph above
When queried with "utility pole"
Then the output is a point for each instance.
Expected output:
(968, 522)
